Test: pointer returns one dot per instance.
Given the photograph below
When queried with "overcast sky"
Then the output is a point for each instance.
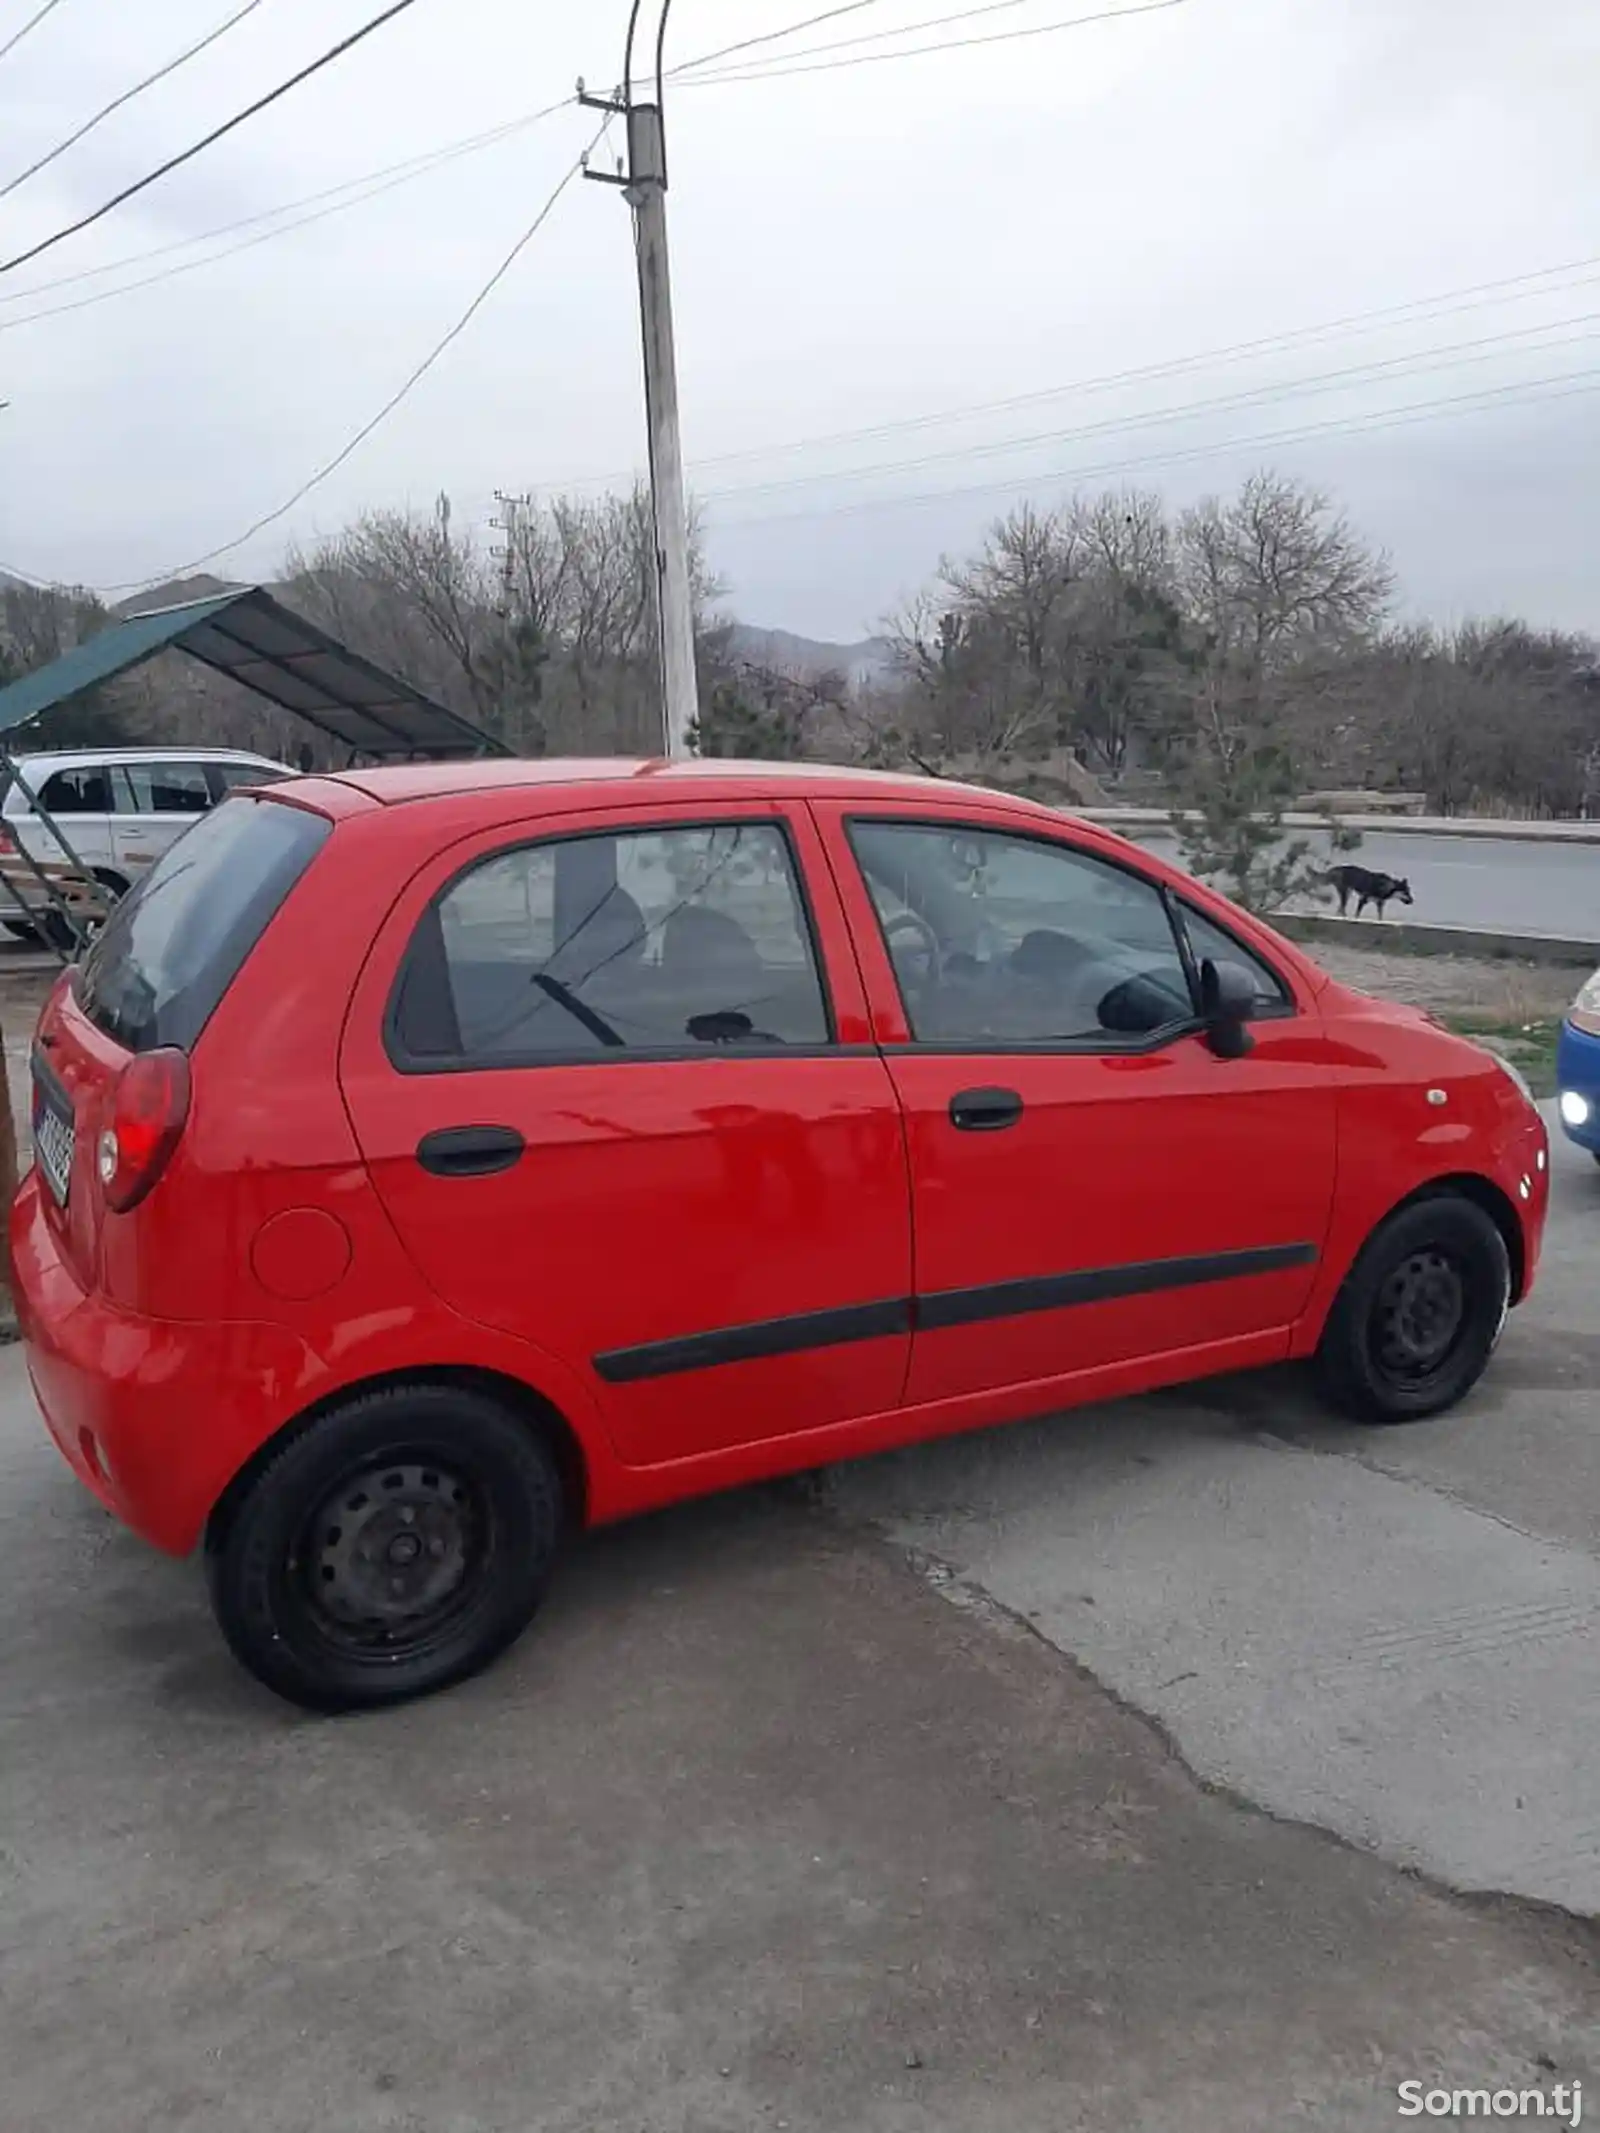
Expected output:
(853, 249)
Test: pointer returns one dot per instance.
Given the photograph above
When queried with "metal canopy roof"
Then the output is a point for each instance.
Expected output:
(251, 637)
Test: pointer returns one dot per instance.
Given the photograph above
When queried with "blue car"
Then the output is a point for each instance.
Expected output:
(1578, 1069)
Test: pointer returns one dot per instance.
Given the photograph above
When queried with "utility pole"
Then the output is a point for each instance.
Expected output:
(505, 552)
(644, 187)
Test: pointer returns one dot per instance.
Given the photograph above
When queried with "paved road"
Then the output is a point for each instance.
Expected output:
(756, 1830)
(1501, 886)
(1390, 1634)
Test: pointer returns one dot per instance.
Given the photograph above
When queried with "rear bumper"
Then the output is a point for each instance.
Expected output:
(1578, 1075)
(136, 1405)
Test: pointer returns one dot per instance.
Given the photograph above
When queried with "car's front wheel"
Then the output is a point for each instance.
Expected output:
(396, 1545)
(1420, 1313)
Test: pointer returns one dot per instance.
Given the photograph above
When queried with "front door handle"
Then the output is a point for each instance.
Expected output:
(985, 1110)
(471, 1151)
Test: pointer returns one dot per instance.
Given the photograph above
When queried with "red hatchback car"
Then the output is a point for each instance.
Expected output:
(432, 1162)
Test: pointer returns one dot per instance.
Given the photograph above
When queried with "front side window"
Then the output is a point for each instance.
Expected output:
(651, 940)
(999, 939)
(169, 788)
(1211, 945)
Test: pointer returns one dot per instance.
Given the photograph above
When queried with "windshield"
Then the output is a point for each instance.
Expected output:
(173, 947)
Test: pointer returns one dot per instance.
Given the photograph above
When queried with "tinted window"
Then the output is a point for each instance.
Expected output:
(236, 777)
(1002, 939)
(86, 791)
(1212, 945)
(169, 788)
(660, 939)
(171, 949)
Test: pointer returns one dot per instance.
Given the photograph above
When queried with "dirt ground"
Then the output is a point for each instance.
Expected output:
(1455, 984)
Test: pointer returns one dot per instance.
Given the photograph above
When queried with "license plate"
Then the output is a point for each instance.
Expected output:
(54, 1136)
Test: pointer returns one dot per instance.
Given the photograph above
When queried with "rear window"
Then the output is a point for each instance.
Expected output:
(173, 947)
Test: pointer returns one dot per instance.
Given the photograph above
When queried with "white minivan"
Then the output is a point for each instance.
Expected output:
(118, 808)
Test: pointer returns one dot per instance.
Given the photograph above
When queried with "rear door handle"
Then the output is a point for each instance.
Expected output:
(985, 1110)
(471, 1151)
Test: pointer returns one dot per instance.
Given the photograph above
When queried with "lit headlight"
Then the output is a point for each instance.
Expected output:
(1585, 1009)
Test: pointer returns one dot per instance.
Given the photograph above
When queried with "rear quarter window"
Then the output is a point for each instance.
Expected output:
(172, 948)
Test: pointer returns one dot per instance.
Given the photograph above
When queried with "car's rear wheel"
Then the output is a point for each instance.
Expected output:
(1420, 1313)
(396, 1545)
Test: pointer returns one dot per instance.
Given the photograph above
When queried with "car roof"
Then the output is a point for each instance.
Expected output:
(715, 779)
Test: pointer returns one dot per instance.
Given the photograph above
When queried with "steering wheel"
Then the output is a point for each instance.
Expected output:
(924, 939)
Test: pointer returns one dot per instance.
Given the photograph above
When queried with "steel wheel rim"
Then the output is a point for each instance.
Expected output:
(394, 1556)
(1421, 1316)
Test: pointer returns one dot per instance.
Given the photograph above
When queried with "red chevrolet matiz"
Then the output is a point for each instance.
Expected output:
(433, 1162)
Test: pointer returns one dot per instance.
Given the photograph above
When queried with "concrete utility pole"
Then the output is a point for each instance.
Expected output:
(644, 186)
(506, 521)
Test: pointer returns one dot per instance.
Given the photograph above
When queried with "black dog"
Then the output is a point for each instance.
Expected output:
(1367, 888)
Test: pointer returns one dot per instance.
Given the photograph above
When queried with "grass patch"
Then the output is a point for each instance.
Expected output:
(1528, 1045)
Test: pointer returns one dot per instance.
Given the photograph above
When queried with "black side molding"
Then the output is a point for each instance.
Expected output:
(1102, 1284)
(942, 1309)
(748, 1343)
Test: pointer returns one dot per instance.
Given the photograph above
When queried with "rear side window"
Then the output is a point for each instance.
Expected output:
(658, 940)
(172, 948)
(230, 777)
(169, 788)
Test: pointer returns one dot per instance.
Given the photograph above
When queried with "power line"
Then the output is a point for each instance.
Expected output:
(922, 51)
(32, 23)
(411, 167)
(45, 244)
(1447, 303)
(370, 185)
(1492, 397)
(414, 378)
(845, 44)
(1486, 349)
(128, 96)
(188, 266)
(812, 22)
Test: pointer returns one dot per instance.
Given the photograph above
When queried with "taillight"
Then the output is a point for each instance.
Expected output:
(8, 841)
(148, 1111)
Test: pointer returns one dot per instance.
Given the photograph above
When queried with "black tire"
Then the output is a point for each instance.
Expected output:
(1419, 1315)
(20, 930)
(56, 932)
(395, 1546)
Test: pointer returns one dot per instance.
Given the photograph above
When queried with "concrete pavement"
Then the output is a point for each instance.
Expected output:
(755, 1830)
(1389, 1634)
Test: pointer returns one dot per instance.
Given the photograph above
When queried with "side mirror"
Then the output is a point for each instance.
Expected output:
(1228, 999)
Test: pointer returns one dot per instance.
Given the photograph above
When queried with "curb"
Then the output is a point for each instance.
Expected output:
(1408, 939)
(1161, 818)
